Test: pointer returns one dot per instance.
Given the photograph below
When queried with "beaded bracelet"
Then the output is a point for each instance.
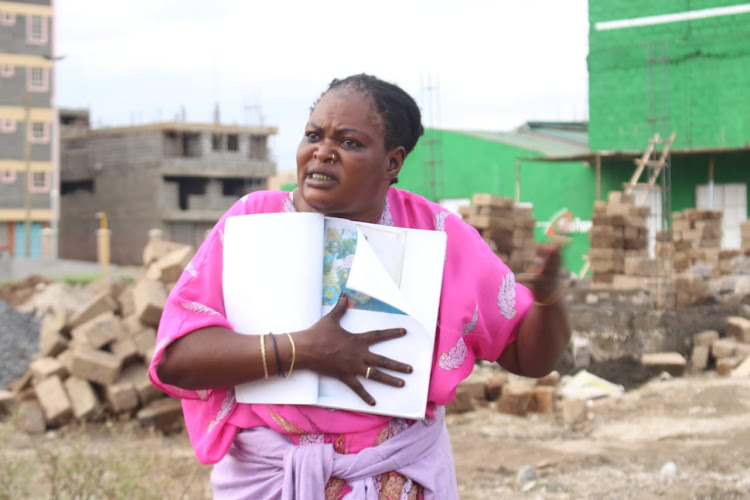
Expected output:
(263, 353)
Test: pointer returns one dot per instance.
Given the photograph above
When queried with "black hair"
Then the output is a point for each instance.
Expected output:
(402, 119)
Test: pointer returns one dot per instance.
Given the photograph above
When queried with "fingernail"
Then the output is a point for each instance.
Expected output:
(371, 402)
(401, 383)
(342, 296)
(409, 369)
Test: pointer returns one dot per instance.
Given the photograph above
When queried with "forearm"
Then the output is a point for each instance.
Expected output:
(542, 339)
(216, 357)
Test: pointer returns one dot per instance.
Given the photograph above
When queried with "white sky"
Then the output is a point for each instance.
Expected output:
(498, 63)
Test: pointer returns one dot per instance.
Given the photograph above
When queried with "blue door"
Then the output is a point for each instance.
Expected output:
(36, 240)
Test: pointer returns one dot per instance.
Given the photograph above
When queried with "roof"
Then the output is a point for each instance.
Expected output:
(546, 138)
(613, 155)
(180, 126)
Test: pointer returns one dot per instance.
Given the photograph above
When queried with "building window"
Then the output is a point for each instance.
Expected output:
(7, 126)
(36, 30)
(37, 79)
(39, 182)
(216, 142)
(233, 143)
(39, 132)
(7, 176)
(7, 70)
(7, 18)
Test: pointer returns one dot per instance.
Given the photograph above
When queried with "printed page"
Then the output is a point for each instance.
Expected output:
(393, 280)
(272, 283)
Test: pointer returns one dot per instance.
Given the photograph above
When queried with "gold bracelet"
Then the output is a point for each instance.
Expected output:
(294, 356)
(553, 298)
(263, 353)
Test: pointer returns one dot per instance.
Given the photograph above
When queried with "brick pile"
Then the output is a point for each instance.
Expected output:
(94, 361)
(728, 355)
(694, 249)
(520, 396)
(619, 243)
(507, 227)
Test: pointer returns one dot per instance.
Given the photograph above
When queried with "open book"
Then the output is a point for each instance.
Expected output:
(285, 271)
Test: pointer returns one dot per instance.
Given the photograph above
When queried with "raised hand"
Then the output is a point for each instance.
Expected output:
(543, 276)
(328, 349)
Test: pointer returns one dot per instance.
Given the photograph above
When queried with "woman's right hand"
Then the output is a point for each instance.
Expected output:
(328, 349)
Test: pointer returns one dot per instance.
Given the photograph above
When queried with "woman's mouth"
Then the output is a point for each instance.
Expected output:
(321, 177)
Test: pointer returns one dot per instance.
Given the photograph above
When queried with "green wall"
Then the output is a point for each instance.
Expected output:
(470, 164)
(691, 77)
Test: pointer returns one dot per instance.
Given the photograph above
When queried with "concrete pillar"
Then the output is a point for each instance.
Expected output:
(48, 243)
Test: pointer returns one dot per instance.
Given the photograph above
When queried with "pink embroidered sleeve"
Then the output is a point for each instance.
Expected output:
(195, 302)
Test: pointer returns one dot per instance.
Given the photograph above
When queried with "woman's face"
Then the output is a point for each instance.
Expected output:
(346, 126)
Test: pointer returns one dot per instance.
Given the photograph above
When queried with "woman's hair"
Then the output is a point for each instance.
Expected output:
(401, 117)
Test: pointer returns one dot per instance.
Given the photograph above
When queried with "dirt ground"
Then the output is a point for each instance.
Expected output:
(684, 438)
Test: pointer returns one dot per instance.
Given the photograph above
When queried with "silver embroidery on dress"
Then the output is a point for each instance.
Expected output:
(226, 405)
(190, 268)
(440, 220)
(221, 235)
(197, 307)
(469, 327)
(457, 355)
(288, 205)
(386, 219)
(506, 296)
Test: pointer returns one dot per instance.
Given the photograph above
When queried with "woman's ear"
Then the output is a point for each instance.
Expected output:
(396, 159)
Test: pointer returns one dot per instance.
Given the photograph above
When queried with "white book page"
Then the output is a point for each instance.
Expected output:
(415, 349)
(421, 258)
(272, 283)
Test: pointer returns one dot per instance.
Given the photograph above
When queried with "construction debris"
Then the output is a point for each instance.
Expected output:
(92, 359)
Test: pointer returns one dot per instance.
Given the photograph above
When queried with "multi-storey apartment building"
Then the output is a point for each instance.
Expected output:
(178, 177)
(27, 127)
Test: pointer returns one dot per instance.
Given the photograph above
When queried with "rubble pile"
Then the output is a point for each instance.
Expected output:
(95, 348)
(618, 256)
(507, 227)
(728, 355)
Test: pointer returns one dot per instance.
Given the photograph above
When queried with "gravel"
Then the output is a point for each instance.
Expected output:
(19, 341)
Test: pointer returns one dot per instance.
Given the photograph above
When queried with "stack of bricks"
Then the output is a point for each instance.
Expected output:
(93, 361)
(507, 227)
(728, 355)
(696, 242)
(619, 243)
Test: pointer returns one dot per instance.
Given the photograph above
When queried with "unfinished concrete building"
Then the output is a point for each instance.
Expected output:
(178, 177)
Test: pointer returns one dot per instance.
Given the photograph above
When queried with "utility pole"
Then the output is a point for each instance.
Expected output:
(27, 179)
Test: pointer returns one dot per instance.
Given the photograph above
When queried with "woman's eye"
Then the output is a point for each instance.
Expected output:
(311, 136)
(349, 143)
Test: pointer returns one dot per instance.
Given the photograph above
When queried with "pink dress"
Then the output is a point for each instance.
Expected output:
(481, 307)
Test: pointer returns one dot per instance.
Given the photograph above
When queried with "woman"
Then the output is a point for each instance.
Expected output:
(355, 143)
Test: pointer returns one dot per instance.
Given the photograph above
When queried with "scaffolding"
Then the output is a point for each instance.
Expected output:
(432, 142)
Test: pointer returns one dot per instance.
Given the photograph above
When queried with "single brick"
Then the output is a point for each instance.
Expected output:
(706, 337)
(738, 328)
(122, 397)
(82, 397)
(95, 366)
(45, 367)
(164, 414)
(670, 362)
(54, 401)
(99, 304)
(99, 331)
(515, 398)
(149, 299)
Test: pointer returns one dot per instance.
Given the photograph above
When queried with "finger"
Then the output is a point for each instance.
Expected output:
(380, 361)
(339, 309)
(384, 378)
(375, 336)
(355, 385)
